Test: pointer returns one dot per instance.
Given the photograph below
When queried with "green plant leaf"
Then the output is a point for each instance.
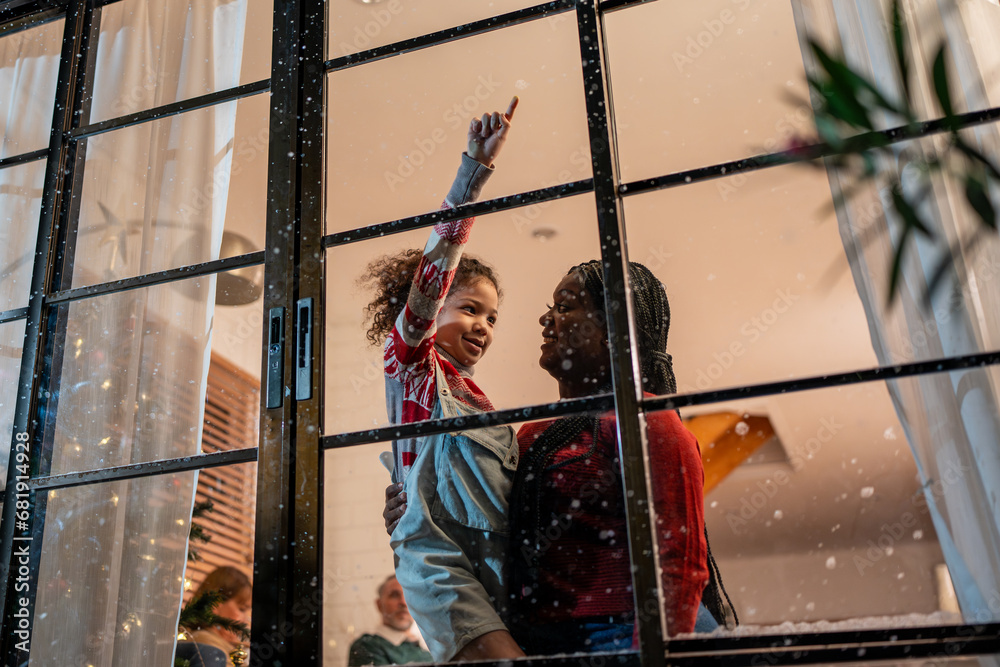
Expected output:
(199, 613)
(911, 219)
(197, 532)
(977, 157)
(828, 132)
(899, 41)
(840, 90)
(869, 164)
(839, 106)
(979, 199)
(948, 260)
(202, 508)
(897, 265)
(856, 85)
(939, 73)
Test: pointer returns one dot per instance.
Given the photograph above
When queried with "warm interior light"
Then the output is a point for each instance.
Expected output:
(727, 439)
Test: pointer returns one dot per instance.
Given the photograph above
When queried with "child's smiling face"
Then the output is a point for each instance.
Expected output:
(465, 324)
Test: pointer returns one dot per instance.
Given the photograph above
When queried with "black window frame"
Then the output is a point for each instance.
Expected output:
(289, 536)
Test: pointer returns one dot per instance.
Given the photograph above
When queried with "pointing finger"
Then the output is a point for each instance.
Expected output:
(511, 107)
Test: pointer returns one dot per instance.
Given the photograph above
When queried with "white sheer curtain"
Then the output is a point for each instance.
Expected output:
(951, 419)
(129, 379)
(29, 65)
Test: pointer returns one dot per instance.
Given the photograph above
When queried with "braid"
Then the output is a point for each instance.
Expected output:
(652, 321)
(715, 591)
(526, 527)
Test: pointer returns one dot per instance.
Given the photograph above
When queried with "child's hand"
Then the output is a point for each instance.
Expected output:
(395, 506)
(487, 135)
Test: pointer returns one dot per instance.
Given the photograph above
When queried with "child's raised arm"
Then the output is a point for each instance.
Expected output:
(410, 342)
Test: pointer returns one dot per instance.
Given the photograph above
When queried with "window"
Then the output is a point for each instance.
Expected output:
(190, 191)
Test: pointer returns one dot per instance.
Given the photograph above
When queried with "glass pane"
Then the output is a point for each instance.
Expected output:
(224, 561)
(20, 206)
(357, 558)
(820, 516)
(967, 30)
(183, 190)
(112, 570)
(759, 284)
(530, 250)
(731, 84)
(734, 83)
(154, 53)
(29, 66)
(357, 26)
(397, 126)
(157, 373)
(11, 349)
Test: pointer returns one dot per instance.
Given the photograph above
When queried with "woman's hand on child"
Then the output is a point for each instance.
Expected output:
(395, 505)
(488, 134)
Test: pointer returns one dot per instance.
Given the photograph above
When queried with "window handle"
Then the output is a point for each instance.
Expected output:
(275, 356)
(303, 349)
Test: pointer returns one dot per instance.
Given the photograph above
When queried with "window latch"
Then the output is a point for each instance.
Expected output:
(275, 356)
(303, 349)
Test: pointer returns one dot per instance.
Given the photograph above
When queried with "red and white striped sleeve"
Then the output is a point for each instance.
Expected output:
(409, 358)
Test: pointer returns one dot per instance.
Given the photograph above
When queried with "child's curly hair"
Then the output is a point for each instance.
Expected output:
(390, 277)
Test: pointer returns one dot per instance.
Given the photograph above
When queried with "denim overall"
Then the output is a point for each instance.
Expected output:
(451, 543)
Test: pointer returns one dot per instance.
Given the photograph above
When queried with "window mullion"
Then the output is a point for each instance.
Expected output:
(287, 551)
(624, 365)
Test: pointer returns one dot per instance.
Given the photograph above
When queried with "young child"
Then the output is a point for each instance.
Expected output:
(450, 543)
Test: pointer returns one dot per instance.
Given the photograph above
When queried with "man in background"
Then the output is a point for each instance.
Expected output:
(397, 640)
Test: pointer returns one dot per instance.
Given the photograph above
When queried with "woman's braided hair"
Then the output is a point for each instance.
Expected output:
(652, 323)
(389, 277)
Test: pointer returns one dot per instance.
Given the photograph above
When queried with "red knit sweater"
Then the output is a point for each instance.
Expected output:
(585, 568)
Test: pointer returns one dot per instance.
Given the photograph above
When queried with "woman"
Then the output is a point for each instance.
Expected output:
(570, 567)
(236, 592)
(569, 563)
